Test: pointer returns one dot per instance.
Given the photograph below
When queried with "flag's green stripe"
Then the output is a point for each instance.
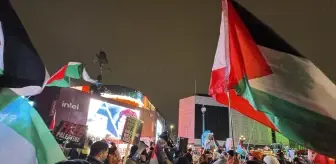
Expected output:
(1, 71)
(299, 124)
(281, 139)
(47, 146)
(6, 97)
(30, 125)
(74, 71)
(60, 83)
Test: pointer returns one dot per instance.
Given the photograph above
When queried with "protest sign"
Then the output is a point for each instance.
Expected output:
(75, 134)
(132, 131)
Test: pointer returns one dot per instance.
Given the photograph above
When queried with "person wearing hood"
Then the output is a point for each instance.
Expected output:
(221, 160)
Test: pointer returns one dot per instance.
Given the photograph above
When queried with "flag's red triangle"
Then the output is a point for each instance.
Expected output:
(246, 61)
(58, 75)
(243, 106)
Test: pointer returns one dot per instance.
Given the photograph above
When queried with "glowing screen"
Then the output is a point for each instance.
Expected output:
(108, 119)
(159, 129)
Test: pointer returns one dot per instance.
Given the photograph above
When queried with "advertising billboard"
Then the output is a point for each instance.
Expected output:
(108, 119)
(72, 105)
(159, 130)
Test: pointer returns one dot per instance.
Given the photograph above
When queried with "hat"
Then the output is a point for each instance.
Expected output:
(271, 160)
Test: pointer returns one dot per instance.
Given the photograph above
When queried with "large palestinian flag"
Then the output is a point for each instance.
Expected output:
(24, 138)
(21, 69)
(271, 82)
(24, 133)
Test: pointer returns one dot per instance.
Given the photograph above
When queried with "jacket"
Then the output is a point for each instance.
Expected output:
(93, 160)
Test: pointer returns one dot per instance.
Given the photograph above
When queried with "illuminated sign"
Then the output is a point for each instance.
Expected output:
(125, 99)
(108, 119)
(159, 130)
(124, 95)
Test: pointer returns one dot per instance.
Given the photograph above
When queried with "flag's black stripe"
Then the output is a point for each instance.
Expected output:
(263, 34)
(22, 65)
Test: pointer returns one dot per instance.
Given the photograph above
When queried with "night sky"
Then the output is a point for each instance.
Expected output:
(161, 47)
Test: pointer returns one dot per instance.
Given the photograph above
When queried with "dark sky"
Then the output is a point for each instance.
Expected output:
(161, 46)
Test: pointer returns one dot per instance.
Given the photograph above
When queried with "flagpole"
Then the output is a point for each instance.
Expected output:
(230, 119)
(249, 140)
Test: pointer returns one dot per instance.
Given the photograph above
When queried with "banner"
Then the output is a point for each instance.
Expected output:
(72, 105)
(74, 133)
(132, 131)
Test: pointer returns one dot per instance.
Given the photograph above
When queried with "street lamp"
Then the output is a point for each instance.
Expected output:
(203, 109)
(171, 129)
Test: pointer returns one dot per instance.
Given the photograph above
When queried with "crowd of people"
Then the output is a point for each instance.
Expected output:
(166, 152)
(102, 152)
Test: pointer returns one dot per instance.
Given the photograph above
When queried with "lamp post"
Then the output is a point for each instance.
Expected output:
(171, 129)
(203, 109)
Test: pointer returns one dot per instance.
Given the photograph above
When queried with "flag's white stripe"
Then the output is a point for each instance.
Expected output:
(2, 45)
(14, 148)
(74, 63)
(86, 77)
(298, 81)
(221, 57)
(32, 90)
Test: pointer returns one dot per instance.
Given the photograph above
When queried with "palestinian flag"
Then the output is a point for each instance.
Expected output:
(271, 82)
(21, 69)
(74, 70)
(24, 136)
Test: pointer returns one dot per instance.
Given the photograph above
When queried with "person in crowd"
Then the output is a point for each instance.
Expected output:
(85, 151)
(130, 160)
(253, 162)
(75, 161)
(143, 157)
(256, 155)
(281, 157)
(98, 152)
(208, 156)
(297, 160)
(271, 160)
(113, 155)
(216, 154)
(182, 160)
(231, 154)
(202, 150)
(221, 160)
(177, 155)
(150, 152)
(233, 157)
(237, 159)
(203, 159)
(189, 155)
(73, 154)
